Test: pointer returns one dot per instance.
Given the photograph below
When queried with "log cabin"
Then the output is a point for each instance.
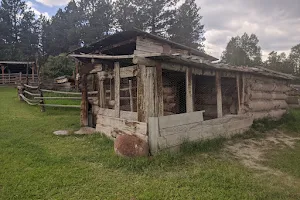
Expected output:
(166, 93)
(15, 72)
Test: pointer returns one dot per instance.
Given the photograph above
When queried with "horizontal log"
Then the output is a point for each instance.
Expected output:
(31, 94)
(267, 96)
(28, 101)
(62, 98)
(269, 87)
(61, 92)
(31, 87)
(259, 105)
(275, 114)
(60, 106)
(293, 100)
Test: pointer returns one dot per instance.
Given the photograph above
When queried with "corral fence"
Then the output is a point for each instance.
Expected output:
(35, 96)
(17, 78)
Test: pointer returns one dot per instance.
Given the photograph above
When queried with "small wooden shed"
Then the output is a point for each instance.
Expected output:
(166, 93)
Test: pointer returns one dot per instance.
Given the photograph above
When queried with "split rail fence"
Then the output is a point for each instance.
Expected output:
(35, 96)
(17, 78)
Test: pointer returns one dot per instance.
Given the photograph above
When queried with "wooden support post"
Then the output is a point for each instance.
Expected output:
(9, 78)
(141, 78)
(130, 96)
(2, 69)
(219, 95)
(76, 76)
(20, 77)
(27, 78)
(189, 91)
(150, 97)
(243, 90)
(160, 92)
(238, 88)
(33, 72)
(84, 102)
(117, 89)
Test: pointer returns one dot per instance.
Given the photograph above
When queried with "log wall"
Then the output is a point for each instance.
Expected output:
(265, 97)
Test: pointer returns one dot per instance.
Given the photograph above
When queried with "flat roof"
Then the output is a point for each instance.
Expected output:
(125, 35)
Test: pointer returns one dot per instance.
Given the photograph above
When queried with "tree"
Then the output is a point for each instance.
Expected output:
(187, 28)
(126, 15)
(279, 63)
(243, 51)
(295, 59)
(58, 66)
(19, 38)
(156, 15)
(97, 19)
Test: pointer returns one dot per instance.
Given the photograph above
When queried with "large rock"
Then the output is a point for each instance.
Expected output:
(131, 146)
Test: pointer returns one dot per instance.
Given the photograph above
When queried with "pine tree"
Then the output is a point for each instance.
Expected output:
(243, 51)
(126, 15)
(187, 28)
(295, 59)
(156, 15)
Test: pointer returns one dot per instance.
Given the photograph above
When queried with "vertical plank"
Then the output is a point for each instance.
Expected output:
(189, 91)
(153, 131)
(219, 95)
(130, 95)
(2, 69)
(140, 93)
(84, 102)
(238, 88)
(32, 72)
(117, 89)
(20, 77)
(27, 79)
(76, 75)
(150, 99)
(160, 94)
(243, 90)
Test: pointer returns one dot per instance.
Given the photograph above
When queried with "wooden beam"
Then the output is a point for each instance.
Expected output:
(2, 69)
(84, 102)
(140, 93)
(219, 95)
(103, 57)
(76, 75)
(238, 88)
(130, 95)
(160, 93)
(32, 72)
(117, 89)
(189, 91)
(144, 61)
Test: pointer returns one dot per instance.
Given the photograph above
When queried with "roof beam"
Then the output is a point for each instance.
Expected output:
(118, 45)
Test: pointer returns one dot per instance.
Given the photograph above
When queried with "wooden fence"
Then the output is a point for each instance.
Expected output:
(17, 78)
(35, 96)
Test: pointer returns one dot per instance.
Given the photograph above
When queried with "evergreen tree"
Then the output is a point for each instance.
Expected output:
(187, 28)
(156, 15)
(295, 59)
(126, 15)
(279, 63)
(98, 19)
(243, 51)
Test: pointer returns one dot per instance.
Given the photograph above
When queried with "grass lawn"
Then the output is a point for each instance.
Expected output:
(35, 164)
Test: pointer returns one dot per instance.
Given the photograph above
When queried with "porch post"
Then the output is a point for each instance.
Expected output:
(117, 89)
(238, 82)
(32, 72)
(76, 75)
(189, 91)
(84, 102)
(141, 79)
(2, 69)
(219, 95)
(20, 77)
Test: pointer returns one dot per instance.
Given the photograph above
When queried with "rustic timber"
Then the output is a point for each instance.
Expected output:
(189, 91)
(219, 95)
(117, 88)
(84, 102)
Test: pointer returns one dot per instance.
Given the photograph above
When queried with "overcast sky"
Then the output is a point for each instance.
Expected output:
(275, 22)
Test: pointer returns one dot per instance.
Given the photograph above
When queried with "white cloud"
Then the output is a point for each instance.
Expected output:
(36, 12)
(276, 25)
(52, 3)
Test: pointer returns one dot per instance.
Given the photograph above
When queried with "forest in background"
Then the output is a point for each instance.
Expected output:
(23, 36)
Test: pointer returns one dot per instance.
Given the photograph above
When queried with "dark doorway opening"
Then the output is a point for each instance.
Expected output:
(181, 95)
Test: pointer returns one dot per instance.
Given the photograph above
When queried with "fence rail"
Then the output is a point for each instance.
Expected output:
(34, 96)
(17, 78)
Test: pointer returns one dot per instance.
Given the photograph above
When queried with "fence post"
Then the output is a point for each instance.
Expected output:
(20, 77)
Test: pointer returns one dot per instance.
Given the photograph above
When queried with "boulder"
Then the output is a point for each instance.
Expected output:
(61, 132)
(131, 146)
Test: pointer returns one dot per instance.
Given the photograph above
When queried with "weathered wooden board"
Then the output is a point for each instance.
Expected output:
(123, 114)
(127, 72)
(115, 126)
(180, 119)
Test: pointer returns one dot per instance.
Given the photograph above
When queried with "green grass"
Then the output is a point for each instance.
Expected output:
(35, 164)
